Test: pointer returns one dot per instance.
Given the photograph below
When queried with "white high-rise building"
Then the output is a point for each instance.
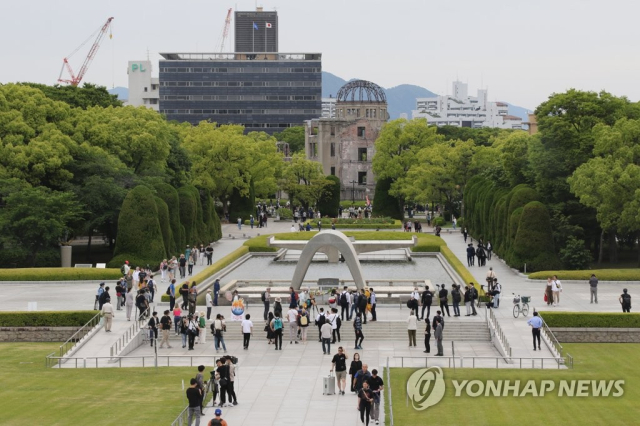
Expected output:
(462, 110)
(329, 107)
(143, 88)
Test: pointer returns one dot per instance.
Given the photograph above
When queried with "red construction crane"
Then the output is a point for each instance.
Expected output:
(225, 31)
(76, 79)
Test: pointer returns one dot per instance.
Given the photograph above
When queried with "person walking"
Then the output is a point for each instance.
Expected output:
(276, 327)
(356, 365)
(182, 262)
(303, 324)
(218, 327)
(247, 331)
(194, 395)
(556, 288)
(153, 328)
(372, 302)
(412, 326)
(354, 296)
(192, 331)
(266, 297)
(443, 297)
(362, 305)
(165, 325)
(593, 288)
(357, 327)
(344, 303)
(107, 313)
(468, 300)
(548, 292)
(491, 275)
(438, 336)
(365, 399)
(209, 303)
(219, 420)
(129, 301)
(427, 337)
(456, 297)
(625, 301)
(184, 331)
(339, 364)
(489, 249)
(497, 289)
(216, 291)
(333, 319)
(465, 233)
(426, 299)
(471, 254)
(325, 334)
(536, 324)
(361, 377)
(177, 319)
(292, 317)
(202, 329)
(376, 385)
(171, 292)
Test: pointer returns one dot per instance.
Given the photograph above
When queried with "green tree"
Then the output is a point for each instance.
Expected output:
(303, 180)
(385, 204)
(79, 97)
(294, 136)
(533, 244)
(329, 204)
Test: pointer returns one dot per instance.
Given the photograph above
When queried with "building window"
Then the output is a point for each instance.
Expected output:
(362, 178)
(145, 89)
(333, 171)
(361, 132)
(362, 154)
(333, 149)
(367, 113)
(333, 131)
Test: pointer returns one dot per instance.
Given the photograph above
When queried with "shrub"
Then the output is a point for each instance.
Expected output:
(285, 214)
(169, 195)
(45, 318)
(584, 275)
(329, 203)
(139, 233)
(385, 204)
(165, 226)
(19, 257)
(188, 214)
(575, 255)
(59, 274)
(534, 242)
(439, 221)
(242, 206)
(211, 220)
(591, 319)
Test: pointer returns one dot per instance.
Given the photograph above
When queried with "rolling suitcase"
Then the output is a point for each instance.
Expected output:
(329, 384)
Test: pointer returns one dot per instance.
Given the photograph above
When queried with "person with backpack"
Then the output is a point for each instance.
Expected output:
(218, 327)
(362, 305)
(266, 297)
(497, 289)
(303, 324)
(456, 298)
(124, 269)
(151, 285)
(625, 301)
(276, 327)
(336, 322)
(426, 299)
(320, 320)
(217, 421)
(354, 296)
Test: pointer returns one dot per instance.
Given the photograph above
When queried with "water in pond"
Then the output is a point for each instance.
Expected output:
(261, 268)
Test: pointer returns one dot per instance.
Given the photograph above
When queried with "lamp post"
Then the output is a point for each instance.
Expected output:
(353, 191)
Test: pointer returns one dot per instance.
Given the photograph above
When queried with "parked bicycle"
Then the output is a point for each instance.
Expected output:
(520, 305)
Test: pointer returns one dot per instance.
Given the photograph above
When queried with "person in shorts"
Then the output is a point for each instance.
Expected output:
(339, 364)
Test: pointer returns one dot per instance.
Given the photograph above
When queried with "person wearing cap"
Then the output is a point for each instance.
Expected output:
(98, 294)
(107, 313)
(265, 299)
(625, 301)
(125, 268)
(209, 303)
(220, 420)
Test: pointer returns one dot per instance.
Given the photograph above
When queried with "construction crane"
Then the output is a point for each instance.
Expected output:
(76, 79)
(225, 31)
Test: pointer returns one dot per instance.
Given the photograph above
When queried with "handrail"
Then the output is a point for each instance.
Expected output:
(551, 338)
(388, 392)
(517, 362)
(128, 335)
(79, 335)
(492, 321)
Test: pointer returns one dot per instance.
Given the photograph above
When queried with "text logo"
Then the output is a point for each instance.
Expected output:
(425, 388)
(138, 67)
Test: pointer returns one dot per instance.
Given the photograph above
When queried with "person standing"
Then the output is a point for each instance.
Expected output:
(468, 300)
(194, 395)
(276, 327)
(339, 364)
(209, 253)
(344, 303)
(201, 386)
(362, 305)
(489, 249)
(223, 371)
(192, 331)
(356, 365)
(456, 297)
(325, 334)
(473, 292)
(128, 303)
(593, 287)
(293, 298)
(365, 398)
(354, 296)
(119, 295)
(438, 336)
(320, 320)
(153, 328)
(217, 327)
(373, 301)
(266, 297)
(216, 291)
(426, 299)
(556, 288)
(172, 294)
(209, 303)
(107, 313)
(202, 329)
(103, 296)
(414, 300)
(444, 303)
(491, 275)
(427, 337)
(548, 292)
(182, 262)
(497, 289)
(165, 323)
(303, 324)
(357, 327)
(376, 385)
(471, 254)
(247, 331)
(292, 317)
(177, 319)
(536, 324)
(231, 390)
(412, 326)
(625, 301)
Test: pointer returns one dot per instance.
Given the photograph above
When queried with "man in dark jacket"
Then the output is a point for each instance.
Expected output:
(362, 306)
(103, 297)
(444, 303)
(471, 254)
(427, 299)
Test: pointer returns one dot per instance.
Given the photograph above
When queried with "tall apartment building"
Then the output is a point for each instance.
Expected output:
(143, 88)
(256, 31)
(462, 110)
(329, 107)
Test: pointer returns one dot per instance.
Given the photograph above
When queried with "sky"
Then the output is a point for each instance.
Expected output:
(521, 51)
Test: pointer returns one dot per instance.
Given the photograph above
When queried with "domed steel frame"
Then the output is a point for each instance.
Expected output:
(361, 91)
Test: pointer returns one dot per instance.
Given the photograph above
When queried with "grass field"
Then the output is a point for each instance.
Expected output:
(34, 395)
(592, 362)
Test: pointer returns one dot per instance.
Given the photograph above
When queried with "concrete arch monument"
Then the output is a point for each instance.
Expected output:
(328, 241)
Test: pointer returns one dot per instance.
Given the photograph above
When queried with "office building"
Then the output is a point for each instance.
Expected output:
(143, 88)
(329, 107)
(256, 31)
(462, 110)
(344, 145)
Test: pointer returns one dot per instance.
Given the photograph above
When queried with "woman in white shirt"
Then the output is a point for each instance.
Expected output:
(556, 288)
(412, 326)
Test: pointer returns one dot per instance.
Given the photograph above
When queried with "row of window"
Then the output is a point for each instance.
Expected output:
(238, 98)
(244, 111)
(242, 69)
(241, 83)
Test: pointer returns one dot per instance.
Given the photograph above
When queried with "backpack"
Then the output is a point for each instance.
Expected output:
(168, 291)
(150, 284)
(277, 324)
(215, 422)
(304, 320)
(339, 322)
(264, 296)
(122, 270)
(343, 299)
(320, 321)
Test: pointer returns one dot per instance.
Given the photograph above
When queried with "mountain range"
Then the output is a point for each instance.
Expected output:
(400, 99)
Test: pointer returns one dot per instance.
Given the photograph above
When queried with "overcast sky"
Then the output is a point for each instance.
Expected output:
(521, 51)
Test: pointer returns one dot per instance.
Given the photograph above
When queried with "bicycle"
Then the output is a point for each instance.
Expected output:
(520, 305)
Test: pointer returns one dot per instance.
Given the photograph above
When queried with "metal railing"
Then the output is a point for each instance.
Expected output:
(487, 362)
(494, 326)
(388, 392)
(79, 335)
(128, 335)
(183, 417)
(116, 361)
(551, 341)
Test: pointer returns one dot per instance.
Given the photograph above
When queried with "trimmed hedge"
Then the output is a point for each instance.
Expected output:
(533, 244)
(329, 203)
(591, 319)
(385, 204)
(460, 268)
(59, 274)
(46, 318)
(206, 273)
(165, 225)
(584, 275)
(170, 196)
(189, 199)
(242, 206)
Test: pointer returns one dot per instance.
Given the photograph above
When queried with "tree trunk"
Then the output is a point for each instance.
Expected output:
(613, 247)
(88, 253)
(601, 249)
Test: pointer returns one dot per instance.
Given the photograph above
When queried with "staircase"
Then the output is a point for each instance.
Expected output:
(455, 329)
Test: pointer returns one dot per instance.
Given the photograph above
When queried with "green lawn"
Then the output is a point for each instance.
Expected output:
(31, 394)
(592, 362)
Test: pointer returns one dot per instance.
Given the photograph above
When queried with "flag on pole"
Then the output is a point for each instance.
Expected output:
(268, 25)
(255, 26)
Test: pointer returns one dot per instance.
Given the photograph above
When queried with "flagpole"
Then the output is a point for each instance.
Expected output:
(265, 40)
(253, 37)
